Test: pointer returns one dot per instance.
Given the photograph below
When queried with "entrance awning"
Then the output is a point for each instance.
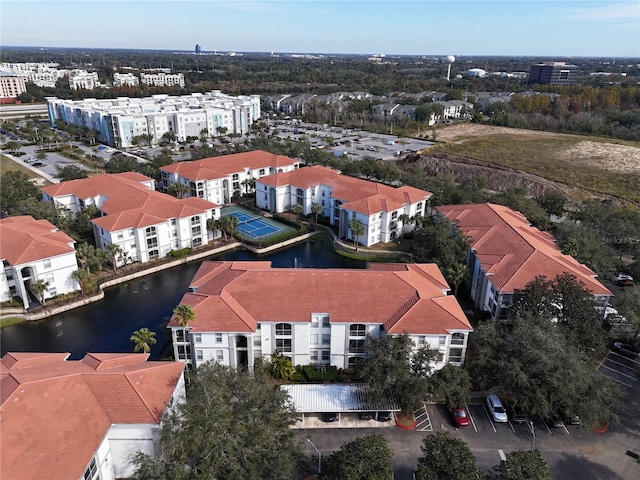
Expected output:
(314, 398)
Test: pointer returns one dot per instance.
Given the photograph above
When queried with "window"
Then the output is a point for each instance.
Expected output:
(283, 329)
(153, 254)
(219, 355)
(326, 355)
(152, 242)
(455, 355)
(261, 172)
(173, 222)
(326, 338)
(283, 345)
(442, 340)
(325, 321)
(257, 341)
(218, 338)
(357, 330)
(151, 231)
(394, 215)
(356, 346)
(196, 231)
(184, 352)
(195, 220)
(314, 339)
(49, 277)
(421, 339)
(199, 355)
(314, 355)
(132, 245)
(46, 263)
(120, 235)
(419, 206)
(457, 339)
(91, 472)
(314, 322)
(235, 177)
(197, 337)
(196, 242)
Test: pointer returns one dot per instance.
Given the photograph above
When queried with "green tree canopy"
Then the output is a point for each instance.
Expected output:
(357, 230)
(235, 424)
(121, 163)
(364, 458)
(143, 339)
(70, 172)
(451, 384)
(522, 465)
(446, 458)
(15, 188)
(439, 242)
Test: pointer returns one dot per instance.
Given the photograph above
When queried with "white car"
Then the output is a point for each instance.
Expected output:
(496, 409)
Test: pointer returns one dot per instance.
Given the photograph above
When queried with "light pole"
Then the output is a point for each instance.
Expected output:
(319, 455)
(533, 435)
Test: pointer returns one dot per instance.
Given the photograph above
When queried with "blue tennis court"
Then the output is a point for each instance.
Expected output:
(253, 226)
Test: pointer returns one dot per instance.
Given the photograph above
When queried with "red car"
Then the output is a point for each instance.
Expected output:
(460, 417)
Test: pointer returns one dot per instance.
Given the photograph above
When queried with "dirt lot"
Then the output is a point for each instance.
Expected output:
(587, 165)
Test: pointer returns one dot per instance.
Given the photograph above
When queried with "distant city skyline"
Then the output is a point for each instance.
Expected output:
(543, 28)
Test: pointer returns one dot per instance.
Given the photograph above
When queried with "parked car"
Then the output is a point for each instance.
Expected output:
(459, 416)
(555, 422)
(30, 160)
(574, 420)
(366, 416)
(329, 417)
(623, 280)
(384, 416)
(38, 164)
(496, 409)
(517, 415)
(626, 350)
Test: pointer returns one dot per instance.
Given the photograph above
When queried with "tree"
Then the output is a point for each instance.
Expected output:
(15, 189)
(440, 243)
(522, 465)
(70, 172)
(281, 366)
(516, 199)
(396, 364)
(452, 384)
(357, 230)
(90, 257)
(455, 275)
(178, 190)
(184, 314)
(143, 339)
(213, 225)
(228, 224)
(316, 209)
(114, 252)
(297, 210)
(13, 146)
(446, 458)
(121, 163)
(628, 306)
(41, 155)
(39, 288)
(81, 276)
(234, 424)
(553, 202)
(364, 458)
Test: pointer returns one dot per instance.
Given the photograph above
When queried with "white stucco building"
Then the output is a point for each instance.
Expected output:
(125, 80)
(82, 419)
(378, 207)
(119, 120)
(145, 224)
(217, 179)
(81, 79)
(162, 79)
(33, 250)
(247, 310)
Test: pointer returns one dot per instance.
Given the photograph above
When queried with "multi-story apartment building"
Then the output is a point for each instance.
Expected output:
(42, 74)
(507, 253)
(118, 121)
(84, 418)
(33, 250)
(125, 79)
(553, 73)
(81, 79)
(247, 310)
(217, 179)
(162, 79)
(380, 208)
(145, 224)
(11, 86)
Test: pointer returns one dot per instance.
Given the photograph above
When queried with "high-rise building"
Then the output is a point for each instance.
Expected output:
(198, 49)
(11, 85)
(553, 73)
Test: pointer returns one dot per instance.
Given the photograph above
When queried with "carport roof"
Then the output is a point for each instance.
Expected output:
(314, 398)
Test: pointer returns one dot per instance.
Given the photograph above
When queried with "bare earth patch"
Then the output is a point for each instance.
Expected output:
(602, 154)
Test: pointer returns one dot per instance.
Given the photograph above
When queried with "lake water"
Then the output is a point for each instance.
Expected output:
(106, 326)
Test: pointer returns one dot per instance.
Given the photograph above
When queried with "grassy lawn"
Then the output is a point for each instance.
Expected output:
(6, 322)
(542, 155)
(8, 165)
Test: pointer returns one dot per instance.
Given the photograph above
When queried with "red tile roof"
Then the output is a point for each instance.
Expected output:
(513, 251)
(235, 296)
(358, 195)
(55, 413)
(129, 204)
(24, 239)
(225, 165)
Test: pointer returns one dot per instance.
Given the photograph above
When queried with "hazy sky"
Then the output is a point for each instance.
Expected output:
(419, 27)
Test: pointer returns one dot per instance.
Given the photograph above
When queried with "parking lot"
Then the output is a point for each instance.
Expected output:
(621, 369)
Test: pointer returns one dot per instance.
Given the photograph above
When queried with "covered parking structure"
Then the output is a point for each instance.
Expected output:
(339, 406)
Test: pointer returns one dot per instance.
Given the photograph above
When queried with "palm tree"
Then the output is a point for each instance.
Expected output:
(39, 288)
(184, 314)
(316, 208)
(143, 339)
(281, 366)
(455, 275)
(228, 224)
(297, 210)
(357, 229)
(405, 220)
(178, 190)
(81, 276)
(213, 225)
(114, 252)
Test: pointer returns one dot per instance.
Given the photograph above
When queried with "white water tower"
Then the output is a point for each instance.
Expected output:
(449, 59)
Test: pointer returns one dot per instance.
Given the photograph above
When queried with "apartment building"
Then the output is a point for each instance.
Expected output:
(41, 74)
(217, 179)
(380, 208)
(82, 419)
(145, 224)
(507, 253)
(248, 310)
(33, 250)
(11, 86)
(118, 121)
(125, 80)
(162, 79)
(83, 80)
